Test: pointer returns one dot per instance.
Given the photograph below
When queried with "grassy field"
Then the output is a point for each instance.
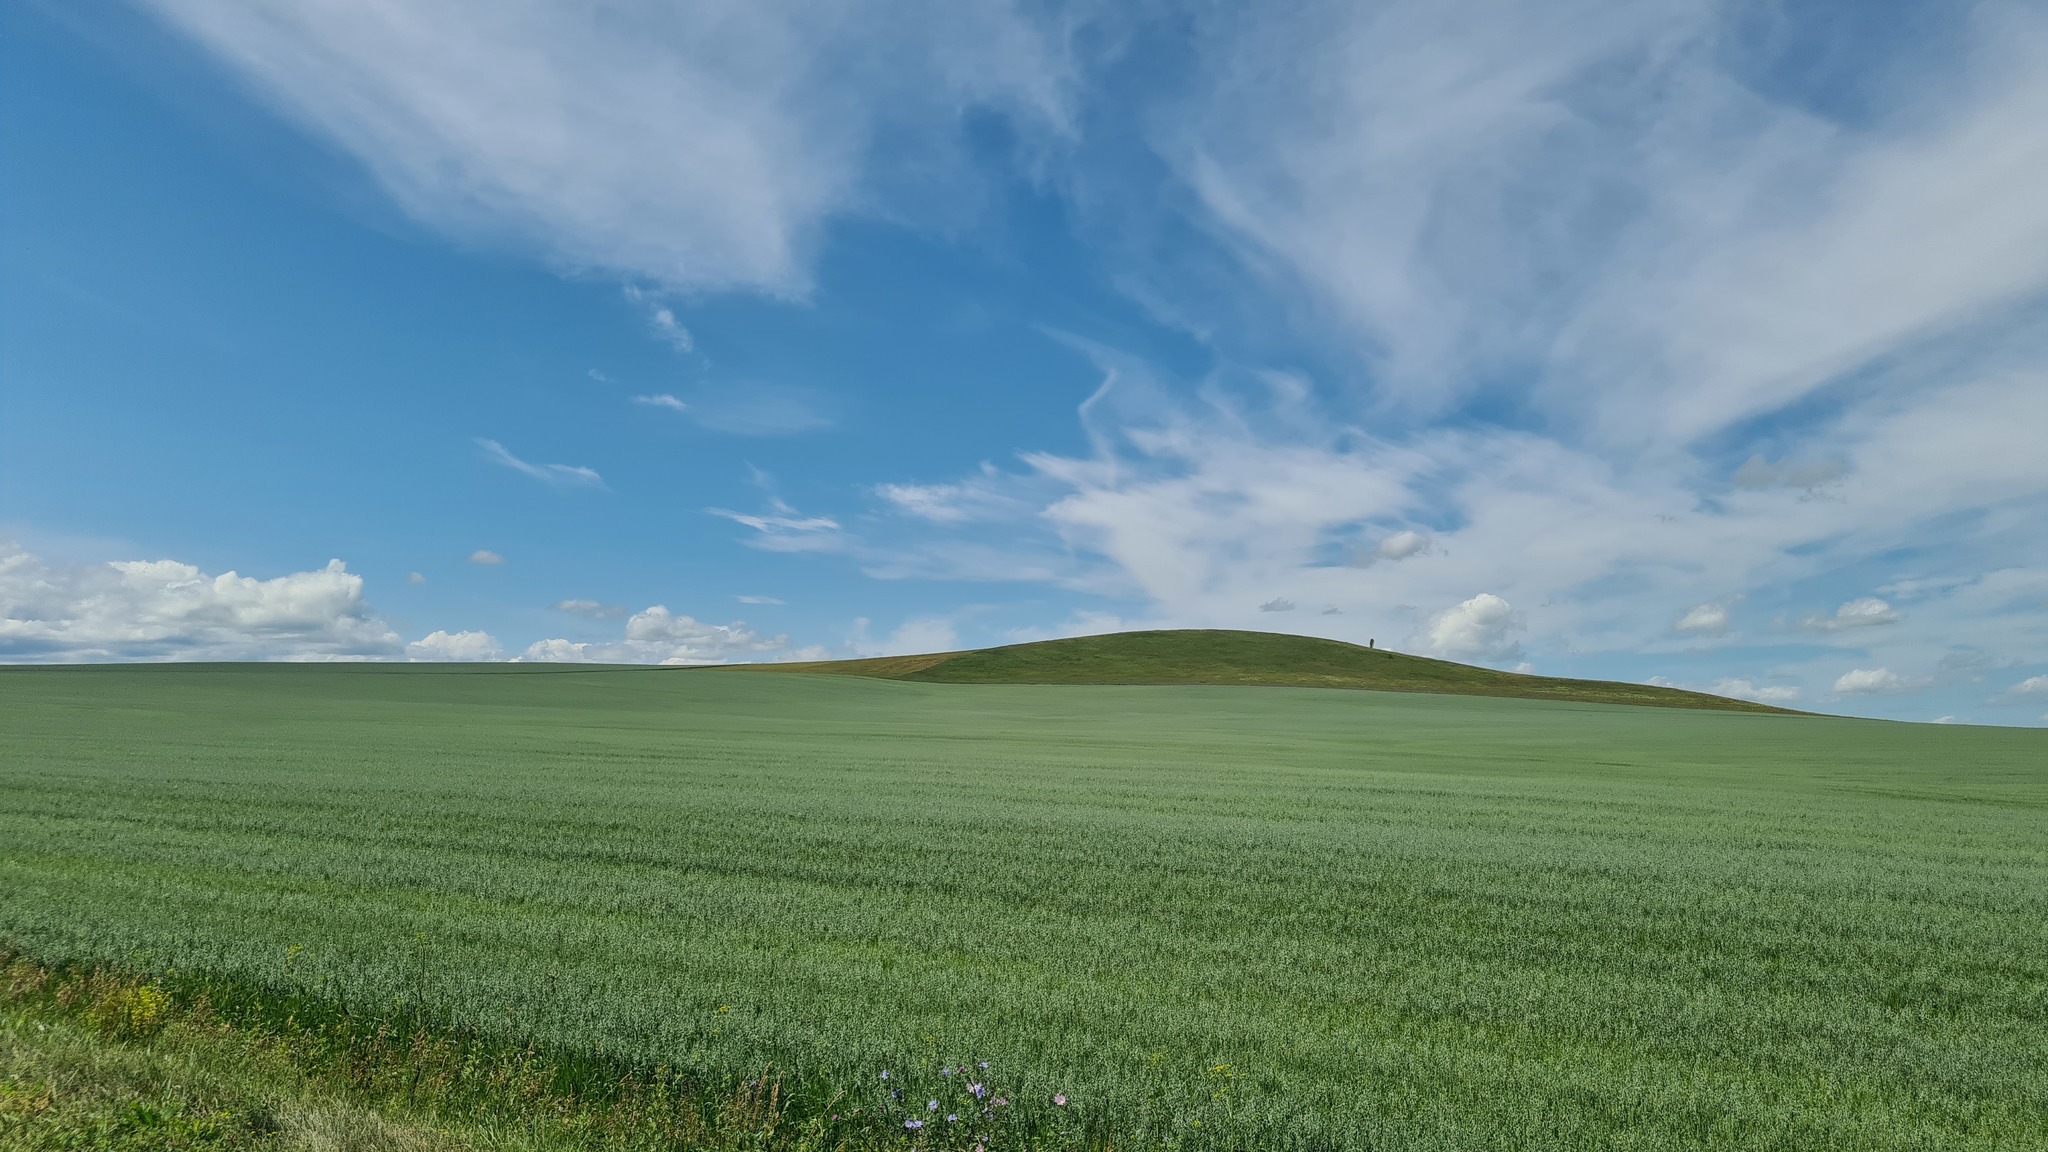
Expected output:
(1208, 916)
(1268, 659)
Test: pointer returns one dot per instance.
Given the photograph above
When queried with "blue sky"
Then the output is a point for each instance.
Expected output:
(1689, 341)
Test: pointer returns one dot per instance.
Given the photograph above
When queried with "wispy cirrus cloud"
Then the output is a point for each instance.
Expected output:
(691, 147)
(661, 319)
(557, 475)
(784, 529)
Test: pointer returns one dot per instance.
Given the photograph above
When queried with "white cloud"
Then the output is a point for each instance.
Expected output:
(591, 608)
(1458, 181)
(559, 475)
(661, 320)
(757, 409)
(662, 400)
(2031, 686)
(1477, 629)
(462, 646)
(415, 579)
(1758, 474)
(657, 637)
(1704, 620)
(784, 529)
(1402, 545)
(1867, 612)
(1945, 720)
(1877, 682)
(914, 636)
(486, 557)
(757, 600)
(165, 610)
(1778, 694)
(696, 146)
(666, 327)
(1277, 604)
(986, 497)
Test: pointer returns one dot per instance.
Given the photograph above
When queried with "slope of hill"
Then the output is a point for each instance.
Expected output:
(1200, 656)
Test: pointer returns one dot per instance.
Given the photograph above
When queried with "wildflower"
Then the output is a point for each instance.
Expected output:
(951, 1118)
(1060, 1098)
(983, 1065)
(932, 1107)
(945, 1071)
(1001, 1100)
(976, 1091)
(913, 1125)
(885, 1073)
(896, 1093)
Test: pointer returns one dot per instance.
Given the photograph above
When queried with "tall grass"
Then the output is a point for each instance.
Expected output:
(1205, 917)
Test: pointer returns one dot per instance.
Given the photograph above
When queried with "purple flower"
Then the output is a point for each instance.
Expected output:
(1060, 1098)
(983, 1064)
(945, 1071)
(885, 1073)
(977, 1091)
(950, 1118)
(932, 1107)
(913, 1125)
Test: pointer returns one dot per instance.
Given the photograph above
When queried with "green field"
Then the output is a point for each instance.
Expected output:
(1210, 916)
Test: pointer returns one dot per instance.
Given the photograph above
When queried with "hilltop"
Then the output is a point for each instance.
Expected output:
(1208, 656)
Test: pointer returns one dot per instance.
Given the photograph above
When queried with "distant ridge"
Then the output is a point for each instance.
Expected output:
(1208, 656)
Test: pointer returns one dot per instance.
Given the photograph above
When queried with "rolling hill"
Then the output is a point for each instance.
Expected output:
(1205, 656)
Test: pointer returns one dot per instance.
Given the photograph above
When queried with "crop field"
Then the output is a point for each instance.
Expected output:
(1201, 916)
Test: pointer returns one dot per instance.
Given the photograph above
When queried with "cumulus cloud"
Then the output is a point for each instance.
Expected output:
(460, 646)
(1277, 604)
(1704, 620)
(166, 610)
(655, 636)
(1867, 612)
(591, 609)
(1740, 689)
(2031, 686)
(486, 557)
(559, 475)
(415, 579)
(695, 147)
(1477, 629)
(1401, 545)
(1877, 682)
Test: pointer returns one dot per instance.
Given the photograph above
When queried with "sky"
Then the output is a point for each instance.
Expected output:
(1695, 342)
